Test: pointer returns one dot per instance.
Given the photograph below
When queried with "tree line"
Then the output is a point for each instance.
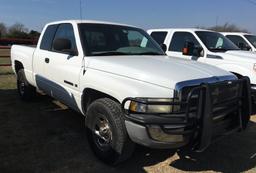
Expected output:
(17, 30)
(227, 27)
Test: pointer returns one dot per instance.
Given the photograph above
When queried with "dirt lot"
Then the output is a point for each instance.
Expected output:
(45, 136)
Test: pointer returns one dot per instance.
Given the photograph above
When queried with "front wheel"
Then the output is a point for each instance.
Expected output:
(25, 90)
(106, 132)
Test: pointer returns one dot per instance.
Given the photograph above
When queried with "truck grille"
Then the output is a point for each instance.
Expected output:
(219, 108)
(224, 98)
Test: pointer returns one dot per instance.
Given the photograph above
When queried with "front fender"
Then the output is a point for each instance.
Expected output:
(241, 70)
(120, 87)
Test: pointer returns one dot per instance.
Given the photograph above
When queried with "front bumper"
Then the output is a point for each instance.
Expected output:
(140, 134)
(203, 120)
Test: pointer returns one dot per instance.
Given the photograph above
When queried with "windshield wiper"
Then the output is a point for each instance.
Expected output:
(219, 50)
(109, 53)
(149, 53)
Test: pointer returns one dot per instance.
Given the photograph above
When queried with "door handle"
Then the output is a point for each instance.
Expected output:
(47, 60)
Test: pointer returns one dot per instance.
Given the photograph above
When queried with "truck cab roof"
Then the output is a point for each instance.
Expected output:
(87, 21)
(235, 33)
(180, 29)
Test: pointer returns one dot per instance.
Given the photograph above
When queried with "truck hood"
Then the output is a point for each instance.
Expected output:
(239, 55)
(163, 71)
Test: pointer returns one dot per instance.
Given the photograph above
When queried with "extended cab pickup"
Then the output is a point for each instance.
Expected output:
(208, 47)
(128, 90)
(244, 41)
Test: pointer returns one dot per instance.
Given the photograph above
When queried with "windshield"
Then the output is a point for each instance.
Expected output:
(216, 42)
(109, 40)
(251, 39)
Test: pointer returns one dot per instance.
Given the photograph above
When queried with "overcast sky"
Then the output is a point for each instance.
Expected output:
(143, 13)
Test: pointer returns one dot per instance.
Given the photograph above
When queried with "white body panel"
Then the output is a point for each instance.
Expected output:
(24, 54)
(240, 62)
(117, 76)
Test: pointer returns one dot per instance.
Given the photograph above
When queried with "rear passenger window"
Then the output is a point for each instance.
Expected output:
(66, 31)
(159, 37)
(236, 39)
(48, 36)
(179, 39)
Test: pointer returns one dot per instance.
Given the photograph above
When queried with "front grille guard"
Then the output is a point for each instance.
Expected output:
(187, 103)
(205, 108)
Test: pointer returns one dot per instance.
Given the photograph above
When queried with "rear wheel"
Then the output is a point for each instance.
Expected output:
(106, 132)
(25, 90)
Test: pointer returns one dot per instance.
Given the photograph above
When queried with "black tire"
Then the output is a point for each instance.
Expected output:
(26, 91)
(113, 145)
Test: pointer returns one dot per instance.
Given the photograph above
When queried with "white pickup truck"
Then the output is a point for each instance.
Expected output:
(244, 41)
(208, 47)
(129, 91)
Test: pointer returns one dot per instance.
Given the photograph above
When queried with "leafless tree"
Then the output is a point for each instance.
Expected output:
(226, 28)
(18, 30)
(3, 30)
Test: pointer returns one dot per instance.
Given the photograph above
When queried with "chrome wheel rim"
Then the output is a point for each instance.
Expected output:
(102, 133)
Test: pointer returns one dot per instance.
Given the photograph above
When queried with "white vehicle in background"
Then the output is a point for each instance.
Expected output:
(244, 41)
(208, 47)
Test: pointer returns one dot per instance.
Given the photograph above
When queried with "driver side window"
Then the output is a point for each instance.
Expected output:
(66, 31)
(179, 39)
(237, 39)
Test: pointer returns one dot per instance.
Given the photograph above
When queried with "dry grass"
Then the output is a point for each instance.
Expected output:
(42, 136)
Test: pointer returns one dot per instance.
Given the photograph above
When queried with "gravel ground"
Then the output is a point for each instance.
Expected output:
(45, 136)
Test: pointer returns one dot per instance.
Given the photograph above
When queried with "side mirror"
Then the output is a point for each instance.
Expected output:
(242, 46)
(164, 47)
(191, 50)
(188, 48)
(64, 45)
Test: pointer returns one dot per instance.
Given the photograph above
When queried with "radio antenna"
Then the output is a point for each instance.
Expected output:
(81, 16)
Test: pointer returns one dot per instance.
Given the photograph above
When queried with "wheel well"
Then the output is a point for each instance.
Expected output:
(18, 65)
(90, 95)
(239, 76)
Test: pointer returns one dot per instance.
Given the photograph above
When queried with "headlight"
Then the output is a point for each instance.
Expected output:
(152, 105)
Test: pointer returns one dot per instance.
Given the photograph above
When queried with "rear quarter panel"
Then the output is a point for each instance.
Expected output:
(24, 55)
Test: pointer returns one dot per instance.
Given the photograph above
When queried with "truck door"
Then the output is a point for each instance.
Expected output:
(61, 69)
(40, 56)
(178, 42)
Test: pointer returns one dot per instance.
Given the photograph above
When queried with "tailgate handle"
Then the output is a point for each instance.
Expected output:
(47, 60)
